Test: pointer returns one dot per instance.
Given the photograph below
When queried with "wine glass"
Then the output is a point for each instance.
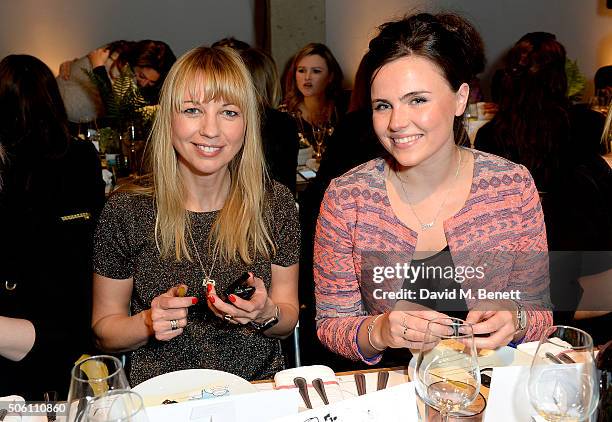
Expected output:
(563, 382)
(116, 406)
(319, 131)
(93, 377)
(447, 373)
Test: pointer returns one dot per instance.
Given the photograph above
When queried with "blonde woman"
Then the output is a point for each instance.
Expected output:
(208, 215)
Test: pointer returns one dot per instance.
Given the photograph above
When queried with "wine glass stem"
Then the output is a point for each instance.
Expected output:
(443, 416)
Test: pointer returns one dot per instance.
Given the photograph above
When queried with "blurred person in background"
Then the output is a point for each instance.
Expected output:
(313, 93)
(278, 130)
(560, 144)
(51, 194)
(352, 143)
(148, 60)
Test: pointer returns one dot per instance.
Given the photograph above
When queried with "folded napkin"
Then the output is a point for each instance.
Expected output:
(7, 400)
(284, 380)
(508, 399)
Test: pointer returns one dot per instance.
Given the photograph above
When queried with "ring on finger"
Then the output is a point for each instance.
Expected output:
(174, 324)
(228, 317)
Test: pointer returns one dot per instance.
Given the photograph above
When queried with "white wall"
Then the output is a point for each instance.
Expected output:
(57, 30)
(583, 26)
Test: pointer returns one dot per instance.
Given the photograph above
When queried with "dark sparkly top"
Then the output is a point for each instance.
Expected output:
(125, 247)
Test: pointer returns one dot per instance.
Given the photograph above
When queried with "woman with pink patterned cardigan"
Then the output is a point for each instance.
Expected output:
(476, 216)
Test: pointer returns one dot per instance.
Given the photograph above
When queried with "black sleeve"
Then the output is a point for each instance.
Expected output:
(484, 141)
(280, 142)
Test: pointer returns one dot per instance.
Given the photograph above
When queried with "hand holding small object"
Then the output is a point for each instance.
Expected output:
(495, 318)
(239, 311)
(403, 328)
(169, 312)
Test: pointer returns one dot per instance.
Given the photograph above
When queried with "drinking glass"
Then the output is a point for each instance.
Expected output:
(93, 377)
(319, 132)
(116, 406)
(447, 373)
(563, 382)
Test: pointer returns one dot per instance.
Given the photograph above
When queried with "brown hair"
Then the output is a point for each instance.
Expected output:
(33, 121)
(448, 40)
(265, 76)
(293, 96)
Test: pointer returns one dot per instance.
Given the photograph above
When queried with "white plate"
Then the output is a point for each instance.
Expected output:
(192, 384)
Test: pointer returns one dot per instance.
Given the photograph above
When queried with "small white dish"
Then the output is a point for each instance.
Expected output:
(192, 384)
(504, 356)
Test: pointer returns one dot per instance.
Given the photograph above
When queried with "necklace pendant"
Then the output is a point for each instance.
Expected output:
(207, 281)
(427, 226)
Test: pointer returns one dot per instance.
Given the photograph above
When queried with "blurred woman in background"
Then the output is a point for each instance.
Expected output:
(532, 125)
(148, 60)
(313, 93)
(559, 143)
(50, 196)
(278, 130)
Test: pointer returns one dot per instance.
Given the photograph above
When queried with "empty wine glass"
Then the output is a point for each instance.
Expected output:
(116, 406)
(563, 382)
(93, 377)
(447, 373)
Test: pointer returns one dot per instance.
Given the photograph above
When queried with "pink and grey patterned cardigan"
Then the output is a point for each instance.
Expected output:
(501, 215)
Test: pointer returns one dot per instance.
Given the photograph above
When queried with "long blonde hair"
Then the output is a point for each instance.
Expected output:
(241, 228)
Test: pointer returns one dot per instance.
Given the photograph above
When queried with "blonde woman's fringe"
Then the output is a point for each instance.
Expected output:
(241, 229)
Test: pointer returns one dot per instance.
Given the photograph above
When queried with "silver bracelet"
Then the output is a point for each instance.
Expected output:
(370, 328)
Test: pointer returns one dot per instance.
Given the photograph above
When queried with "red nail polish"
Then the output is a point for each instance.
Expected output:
(208, 287)
(232, 298)
(194, 300)
(211, 299)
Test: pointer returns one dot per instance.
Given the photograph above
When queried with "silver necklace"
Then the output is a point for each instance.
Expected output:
(427, 226)
(207, 277)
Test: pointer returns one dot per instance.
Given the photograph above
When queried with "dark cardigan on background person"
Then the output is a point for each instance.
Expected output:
(45, 258)
(51, 194)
